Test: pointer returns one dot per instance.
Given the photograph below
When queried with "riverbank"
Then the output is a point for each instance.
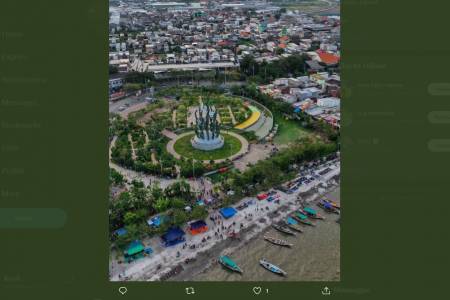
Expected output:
(249, 222)
(315, 255)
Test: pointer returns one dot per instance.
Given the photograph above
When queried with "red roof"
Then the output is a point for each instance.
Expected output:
(328, 58)
(222, 43)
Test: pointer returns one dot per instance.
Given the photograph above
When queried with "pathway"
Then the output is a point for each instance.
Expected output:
(147, 179)
(154, 160)
(233, 120)
(191, 116)
(124, 114)
(133, 153)
(147, 140)
(256, 153)
(113, 143)
(174, 118)
(170, 134)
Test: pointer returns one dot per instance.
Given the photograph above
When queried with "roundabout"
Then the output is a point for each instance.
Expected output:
(234, 145)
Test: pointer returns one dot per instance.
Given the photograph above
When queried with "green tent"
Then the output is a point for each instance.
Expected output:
(135, 247)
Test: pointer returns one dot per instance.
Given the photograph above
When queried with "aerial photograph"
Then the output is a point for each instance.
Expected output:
(224, 140)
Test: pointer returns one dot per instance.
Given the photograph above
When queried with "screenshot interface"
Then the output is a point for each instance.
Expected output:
(224, 141)
(229, 149)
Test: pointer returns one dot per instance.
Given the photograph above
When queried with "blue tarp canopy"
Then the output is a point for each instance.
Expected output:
(173, 236)
(197, 224)
(155, 221)
(120, 231)
(227, 212)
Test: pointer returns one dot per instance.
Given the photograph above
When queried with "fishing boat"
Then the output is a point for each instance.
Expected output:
(302, 219)
(272, 268)
(328, 207)
(278, 242)
(312, 213)
(228, 263)
(283, 229)
(293, 224)
(334, 204)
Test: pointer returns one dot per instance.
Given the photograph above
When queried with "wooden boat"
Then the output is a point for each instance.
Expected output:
(283, 229)
(328, 207)
(334, 204)
(228, 263)
(295, 227)
(272, 268)
(278, 242)
(293, 224)
(302, 219)
(312, 213)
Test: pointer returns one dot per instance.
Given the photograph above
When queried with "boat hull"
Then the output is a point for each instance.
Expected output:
(278, 242)
(305, 222)
(294, 227)
(230, 267)
(283, 230)
(272, 268)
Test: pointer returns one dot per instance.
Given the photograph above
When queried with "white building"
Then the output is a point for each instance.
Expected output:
(329, 102)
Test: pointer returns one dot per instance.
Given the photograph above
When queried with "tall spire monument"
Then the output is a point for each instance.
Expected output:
(207, 129)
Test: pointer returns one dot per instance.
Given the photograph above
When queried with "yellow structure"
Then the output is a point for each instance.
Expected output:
(250, 121)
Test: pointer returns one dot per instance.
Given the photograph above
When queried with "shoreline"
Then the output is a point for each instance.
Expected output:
(165, 260)
(251, 235)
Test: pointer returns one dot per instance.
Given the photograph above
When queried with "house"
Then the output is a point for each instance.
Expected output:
(329, 102)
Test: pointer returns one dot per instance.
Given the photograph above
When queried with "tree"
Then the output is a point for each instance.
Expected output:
(133, 233)
(177, 203)
(179, 217)
(248, 65)
(180, 189)
(131, 87)
(130, 218)
(156, 191)
(199, 213)
(161, 204)
(115, 177)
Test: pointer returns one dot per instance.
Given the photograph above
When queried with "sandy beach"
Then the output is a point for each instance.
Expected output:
(263, 214)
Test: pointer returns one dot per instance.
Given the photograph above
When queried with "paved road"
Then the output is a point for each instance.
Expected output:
(164, 67)
(129, 101)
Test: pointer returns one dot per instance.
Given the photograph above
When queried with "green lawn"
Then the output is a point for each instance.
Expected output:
(288, 131)
(184, 148)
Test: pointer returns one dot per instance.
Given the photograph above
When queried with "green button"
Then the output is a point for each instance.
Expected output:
(32, 218)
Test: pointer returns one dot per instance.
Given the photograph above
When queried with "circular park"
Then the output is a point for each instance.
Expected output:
(165, 137)
(234, 145)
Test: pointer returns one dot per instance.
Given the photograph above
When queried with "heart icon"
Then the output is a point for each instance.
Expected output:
(257, 290)
(123, 290)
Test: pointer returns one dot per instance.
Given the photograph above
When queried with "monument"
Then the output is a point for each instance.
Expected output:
(207, 129)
